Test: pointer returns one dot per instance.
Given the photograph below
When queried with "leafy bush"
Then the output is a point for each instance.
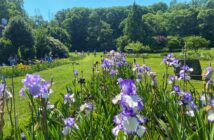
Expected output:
(159, 42)
(121, 43)
(58, 48)
(137, 47)
(174, 42)
(6, 50)
(21, 36)
(42, 46)
(196, 42)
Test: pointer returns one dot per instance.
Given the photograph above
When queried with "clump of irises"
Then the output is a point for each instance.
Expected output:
(185, 73)
(36, 86)
(69, 98)
(113, 61)
(129, 120)
(186, 100)
(141, 70)
(69, 123)
(171, 61)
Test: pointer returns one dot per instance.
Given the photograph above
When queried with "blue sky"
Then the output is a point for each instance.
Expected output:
(47, 8)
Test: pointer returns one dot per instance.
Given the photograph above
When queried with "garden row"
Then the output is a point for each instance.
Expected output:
(122, 100)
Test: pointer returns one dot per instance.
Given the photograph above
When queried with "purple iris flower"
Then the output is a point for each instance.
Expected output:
(86, 106)
(171, 79)
(185, 73)
(69, 98)
(69, 122)
(176, 89)
(193, 106)
(139, 77)
(128, 120)
(36, 86)
(119, 80)
(128, 87)
(113, 72)
(169, 60)
(2, 87)
(208, 74)
(31, 79)
(187, 97)
(75, 72)
(118, 64)
(106, 63)
(23, 137)
(212, 103)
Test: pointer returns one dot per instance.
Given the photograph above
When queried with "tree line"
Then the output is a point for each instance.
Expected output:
(137, 28)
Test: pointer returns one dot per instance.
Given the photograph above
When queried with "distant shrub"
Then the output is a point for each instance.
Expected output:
(133, 47)
(196, 42)
(59, 50)
(159, 42)
(137, 47)
(122, 42)
(200, 56)
(174, 43)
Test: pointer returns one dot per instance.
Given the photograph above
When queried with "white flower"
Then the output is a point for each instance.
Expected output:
(116, 130)
(141, 130)
(130, 124)
(116, 99)
(211, 115)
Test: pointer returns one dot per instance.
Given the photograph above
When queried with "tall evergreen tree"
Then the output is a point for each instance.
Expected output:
(133, 25)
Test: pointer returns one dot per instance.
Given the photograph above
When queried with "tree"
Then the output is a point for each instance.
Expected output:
(121, 43)
(174, 43)
(133, 25)
(155, 24)
(60, 34)
(6, 50)
(76, 25)
(178, 22)
(42, 46)
(206, 26)
(196, 42)
(100, 36)
(159, 7)
(210, 4)
(4, 10)
(21, 37)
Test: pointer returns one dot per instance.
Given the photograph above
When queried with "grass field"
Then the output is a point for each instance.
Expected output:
(63, 76)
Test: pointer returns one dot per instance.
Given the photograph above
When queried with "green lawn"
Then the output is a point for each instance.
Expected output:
(63, 76)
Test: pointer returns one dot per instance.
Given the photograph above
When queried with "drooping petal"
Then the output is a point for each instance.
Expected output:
(130, 124)
(211, 115)
(141, 130)
(116, 99)
(115, 131)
